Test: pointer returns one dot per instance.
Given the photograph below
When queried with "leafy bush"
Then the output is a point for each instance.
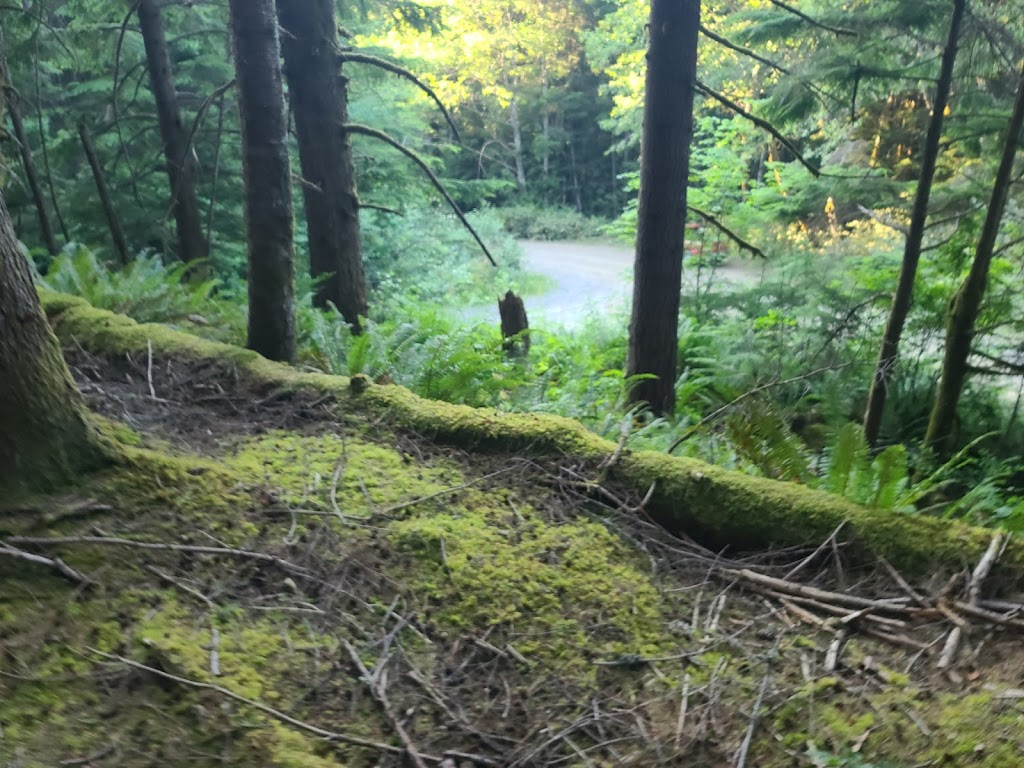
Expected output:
(528, 222)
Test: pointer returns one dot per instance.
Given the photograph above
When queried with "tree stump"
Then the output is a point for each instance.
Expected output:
(514, 325)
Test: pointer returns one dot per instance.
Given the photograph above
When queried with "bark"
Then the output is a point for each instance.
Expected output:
(661, 214)
(268, 195)
(966, 304)
(27, 163)
(319, 101)
(904, 295)
(178, 155)
(517, 144)
(45, 435)
(113, 221)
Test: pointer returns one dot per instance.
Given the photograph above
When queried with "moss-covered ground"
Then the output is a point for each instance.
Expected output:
(505, 617)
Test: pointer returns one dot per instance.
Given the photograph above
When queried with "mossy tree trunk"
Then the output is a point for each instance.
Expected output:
(966, 304)
(904, 296)
(661, 214)
(178, 155)
(45, 434)
(268, 192)
(319, 100)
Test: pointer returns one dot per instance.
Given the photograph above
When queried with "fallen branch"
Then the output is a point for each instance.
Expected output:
(55, 563)
(55, 541)
(380, 695)
(276, 713)
(981, 572)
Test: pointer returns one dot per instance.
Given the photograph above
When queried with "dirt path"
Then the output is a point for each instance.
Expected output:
(594, 277)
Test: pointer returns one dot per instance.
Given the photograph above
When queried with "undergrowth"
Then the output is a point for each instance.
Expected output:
(745, 398)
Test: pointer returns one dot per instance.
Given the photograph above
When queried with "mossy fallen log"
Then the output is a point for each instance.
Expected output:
(718, 506)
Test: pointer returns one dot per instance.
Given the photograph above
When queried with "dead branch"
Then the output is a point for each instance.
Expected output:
(981, 572)
(56, 563)
(275, 713)
(387, 66)
(55, 541)
(725, 42)
(717, 224)
(761, 123)
(380, 695)
(813, 22)
(365, 130)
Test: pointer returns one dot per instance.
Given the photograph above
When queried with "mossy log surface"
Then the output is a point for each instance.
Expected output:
(718, 506)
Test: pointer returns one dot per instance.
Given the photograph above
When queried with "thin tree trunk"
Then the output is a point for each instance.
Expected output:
(517, 144)
(576, 191)
(904, 295)
(319, 101)
(42, 137)
(661, 215)
(268, 193)
(45, 434)
(963, 312)
(178, 155)
(31, 175)
(113, 221)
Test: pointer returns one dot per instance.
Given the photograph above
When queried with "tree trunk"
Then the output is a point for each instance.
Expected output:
(661, 213)
(904, 295)
(45, 434)
(319, 101)
(178, 155)
(31, 176)
(966, 304)
(517, 144)
(268, 192)
(113, 221)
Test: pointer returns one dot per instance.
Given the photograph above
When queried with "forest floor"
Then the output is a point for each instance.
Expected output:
(273, 579)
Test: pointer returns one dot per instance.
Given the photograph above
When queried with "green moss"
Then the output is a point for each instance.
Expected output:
(568, 593)
(716, 504)
(364, 477)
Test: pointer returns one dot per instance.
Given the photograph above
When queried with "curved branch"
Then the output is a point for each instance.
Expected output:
(717, 224)
(365, 130)
(813, 22)
(760, 123)
(376, 61)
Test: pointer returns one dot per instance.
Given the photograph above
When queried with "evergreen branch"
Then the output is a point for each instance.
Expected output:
(741, 50)
(376, 61)
(717, 224)
(365, 130)
(813, 22)
(38, 17)
(761, 123)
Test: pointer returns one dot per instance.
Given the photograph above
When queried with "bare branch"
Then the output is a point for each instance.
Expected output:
(376, 61)
(740, 49)
(365, 130)
(717, 224)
